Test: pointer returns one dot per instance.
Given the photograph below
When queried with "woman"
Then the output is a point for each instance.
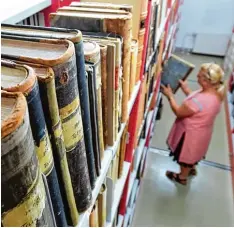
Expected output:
(191, 133)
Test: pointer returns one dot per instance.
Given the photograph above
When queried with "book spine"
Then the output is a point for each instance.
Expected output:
(50, 108)
(102, 206)
(111, 94)
(85, 111)
(118, 89)
(146, 40)
(124, 29)
(123, 143)
(93, 218)
(103, 51)
(134, 52)
(93, 111)
(26, 206)
(95, 58)
(70, 114)
(44, 151)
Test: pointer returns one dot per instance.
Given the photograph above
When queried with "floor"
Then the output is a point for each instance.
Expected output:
(208, 198)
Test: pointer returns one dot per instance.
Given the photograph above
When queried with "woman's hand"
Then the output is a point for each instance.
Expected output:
(183, 84)
(184, 87)
(167, 91)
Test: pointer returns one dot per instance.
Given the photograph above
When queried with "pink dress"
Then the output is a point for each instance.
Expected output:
(197, 129)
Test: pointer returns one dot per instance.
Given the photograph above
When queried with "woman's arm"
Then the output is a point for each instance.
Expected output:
(180, 111)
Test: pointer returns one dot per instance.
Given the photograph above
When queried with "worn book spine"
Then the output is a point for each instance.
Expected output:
(123, 142)
(118, 88)
(134, 52)
(90, 70)
(92, 55)
(50, 108)
(117, 163)
(85, 111)
(102, 206)
(144, 6)
(124, 29)
(23, 193)
(93, 218)
(140, 52)
(70, 114)
(104, 61)
(111, 101)
(29, 87)
(46, 81)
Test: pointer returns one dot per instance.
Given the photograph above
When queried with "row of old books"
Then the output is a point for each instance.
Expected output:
(138, 9)
(102, 211)
(77, 90)
(159, 17)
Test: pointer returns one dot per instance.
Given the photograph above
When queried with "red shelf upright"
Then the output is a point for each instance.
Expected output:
(129, 148)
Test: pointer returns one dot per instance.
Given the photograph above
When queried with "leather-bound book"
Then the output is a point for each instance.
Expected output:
(108, 67)
(93, 218)
(107, 52)
(103, 52)
(91, 75)
(23, 196)
(60, 55)
(134, 52)
(119, 23)
(76, 37)
(123, 143)
(21, 78)
(92, 55)
(102, 206)
(46, 82)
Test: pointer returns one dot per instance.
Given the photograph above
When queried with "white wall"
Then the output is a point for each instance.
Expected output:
(204, 16)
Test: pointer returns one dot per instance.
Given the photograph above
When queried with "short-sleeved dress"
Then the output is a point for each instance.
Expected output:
(189, 137)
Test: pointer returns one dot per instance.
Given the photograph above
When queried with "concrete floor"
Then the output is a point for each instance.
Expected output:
(206, 201)
(208, 198)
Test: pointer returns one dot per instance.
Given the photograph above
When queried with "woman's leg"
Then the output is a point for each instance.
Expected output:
(193, 171)
(184, 172)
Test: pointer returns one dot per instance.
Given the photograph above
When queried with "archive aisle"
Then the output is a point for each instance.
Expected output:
(79, 103)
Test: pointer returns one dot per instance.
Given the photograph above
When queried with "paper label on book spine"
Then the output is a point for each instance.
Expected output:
(72, 129)
(44, 153)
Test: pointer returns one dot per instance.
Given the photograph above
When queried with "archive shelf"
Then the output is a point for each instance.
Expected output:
(128, 177)
(123, 125)
(149, 117)
(84, 217)
(109, 154)
(118, 191)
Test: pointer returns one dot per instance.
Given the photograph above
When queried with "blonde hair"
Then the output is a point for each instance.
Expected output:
(214, 73)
